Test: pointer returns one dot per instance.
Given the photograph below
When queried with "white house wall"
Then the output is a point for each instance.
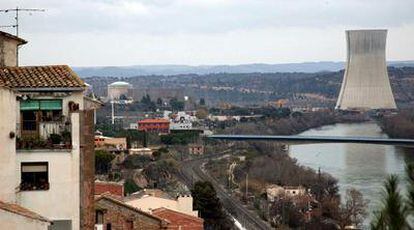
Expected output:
(11, 221)
(7, 145)
(62, 200)
(76, 97)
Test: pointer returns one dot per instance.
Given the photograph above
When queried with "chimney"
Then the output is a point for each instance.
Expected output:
(9, 45)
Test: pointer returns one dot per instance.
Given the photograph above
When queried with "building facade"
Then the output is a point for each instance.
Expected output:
(47, 134)
(161, 126)
(119, 90)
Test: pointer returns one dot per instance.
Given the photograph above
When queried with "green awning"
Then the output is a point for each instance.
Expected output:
(41, 105)
(29, 105)
(50, 105)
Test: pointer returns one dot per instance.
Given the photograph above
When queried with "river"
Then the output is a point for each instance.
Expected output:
(361, 166)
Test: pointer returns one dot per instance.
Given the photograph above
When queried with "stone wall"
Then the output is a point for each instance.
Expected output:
(8, 52)
(87, 170)
(118, 216)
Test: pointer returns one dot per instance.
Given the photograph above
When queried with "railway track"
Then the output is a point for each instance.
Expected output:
(191, 172)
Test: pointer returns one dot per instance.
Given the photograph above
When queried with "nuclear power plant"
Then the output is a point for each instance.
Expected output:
(366, 85)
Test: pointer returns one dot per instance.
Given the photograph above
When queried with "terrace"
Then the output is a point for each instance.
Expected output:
(43, 125)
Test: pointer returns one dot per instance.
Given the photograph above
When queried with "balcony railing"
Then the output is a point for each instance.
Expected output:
(49, 135)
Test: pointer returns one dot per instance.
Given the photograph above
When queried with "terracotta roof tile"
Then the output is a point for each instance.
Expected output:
(111, 187)
(19, 210)
(53, 76)
(178, 218)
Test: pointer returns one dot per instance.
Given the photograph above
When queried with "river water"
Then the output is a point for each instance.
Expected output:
(361, 166)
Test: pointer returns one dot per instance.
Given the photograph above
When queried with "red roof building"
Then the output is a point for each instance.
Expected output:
(179, 220)
(154, 125)
(116, 189)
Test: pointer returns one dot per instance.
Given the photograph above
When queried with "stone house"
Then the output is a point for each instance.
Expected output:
(113, 214)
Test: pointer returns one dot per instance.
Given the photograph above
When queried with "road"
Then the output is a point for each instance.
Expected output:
(192, 171)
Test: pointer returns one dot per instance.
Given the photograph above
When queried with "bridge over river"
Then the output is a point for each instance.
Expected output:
(295, 139)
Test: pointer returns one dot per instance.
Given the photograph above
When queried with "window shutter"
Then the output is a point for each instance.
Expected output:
(34, 168)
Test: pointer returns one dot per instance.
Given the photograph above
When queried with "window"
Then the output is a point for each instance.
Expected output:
(34, 176)
(29, 120)
(99, 216)
(108, 226)
(35, 111)
(61, 225)
(129, 225)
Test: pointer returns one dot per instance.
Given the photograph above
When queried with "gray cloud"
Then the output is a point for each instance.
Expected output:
(185, 28)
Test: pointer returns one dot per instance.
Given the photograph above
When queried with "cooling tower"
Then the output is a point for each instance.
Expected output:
(365, 85)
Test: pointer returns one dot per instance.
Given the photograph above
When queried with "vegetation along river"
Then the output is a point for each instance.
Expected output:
(361, 166)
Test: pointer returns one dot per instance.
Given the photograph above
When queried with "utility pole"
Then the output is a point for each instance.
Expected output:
(112, 113)
(16, 18)
(247, 184)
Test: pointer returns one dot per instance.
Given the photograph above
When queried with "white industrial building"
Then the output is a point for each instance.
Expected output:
(365, 84)
(119, 90)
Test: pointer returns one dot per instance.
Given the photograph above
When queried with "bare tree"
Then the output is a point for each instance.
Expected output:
(354, 211)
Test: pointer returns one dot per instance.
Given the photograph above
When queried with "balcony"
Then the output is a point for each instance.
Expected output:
(45, 135)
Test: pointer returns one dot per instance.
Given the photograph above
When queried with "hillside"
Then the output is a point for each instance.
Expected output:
(142, 70)
(300, 89)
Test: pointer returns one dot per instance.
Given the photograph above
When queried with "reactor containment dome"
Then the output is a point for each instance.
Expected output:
(366, 85)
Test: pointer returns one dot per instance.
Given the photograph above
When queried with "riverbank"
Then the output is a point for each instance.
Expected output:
(400, 125)
(359, 166)
(294, 124)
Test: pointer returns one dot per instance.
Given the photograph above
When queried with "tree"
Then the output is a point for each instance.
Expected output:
(102, 161)
(393, 214)
(202, 113)
(410, 177)
(206, 201)
(130, 187)
(146, 99)
(123, 97)
(147, 103)
(159, 101)
(136, 161)
(354, 210)
(202, 102)
(176, 105)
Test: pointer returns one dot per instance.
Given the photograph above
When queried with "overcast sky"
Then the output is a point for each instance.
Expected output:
(194, 32)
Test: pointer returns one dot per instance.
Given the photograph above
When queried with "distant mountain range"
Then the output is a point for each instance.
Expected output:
(141, 70)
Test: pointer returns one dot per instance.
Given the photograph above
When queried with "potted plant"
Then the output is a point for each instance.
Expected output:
(67, 138)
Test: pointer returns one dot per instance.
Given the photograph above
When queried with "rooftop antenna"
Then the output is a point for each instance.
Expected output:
(16, 18)
(17, 10)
